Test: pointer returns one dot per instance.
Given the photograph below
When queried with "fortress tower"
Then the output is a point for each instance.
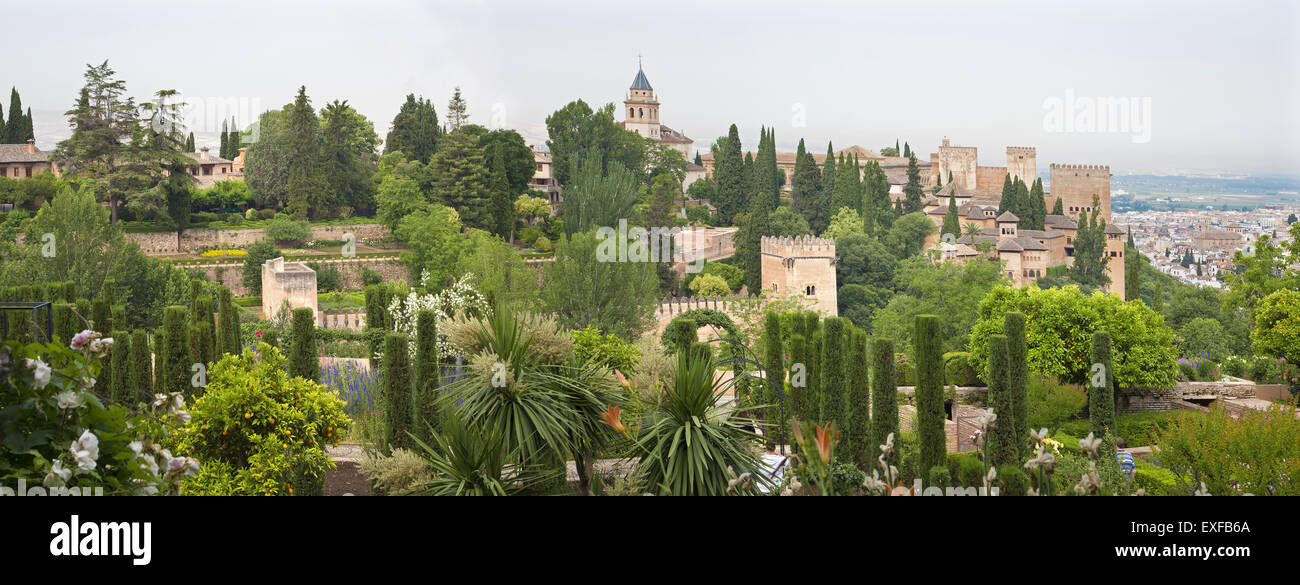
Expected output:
(801, 266)
(641, 107)
(1076, 184)
(1022, 163)
(960, 162)
(1115, 257)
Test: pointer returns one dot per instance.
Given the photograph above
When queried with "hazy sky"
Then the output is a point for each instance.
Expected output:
(1220, 77)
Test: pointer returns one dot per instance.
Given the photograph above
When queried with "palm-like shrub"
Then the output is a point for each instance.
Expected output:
(692, 439)
(467, 462)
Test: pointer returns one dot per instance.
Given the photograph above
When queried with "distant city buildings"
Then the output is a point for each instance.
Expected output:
(1210, 237)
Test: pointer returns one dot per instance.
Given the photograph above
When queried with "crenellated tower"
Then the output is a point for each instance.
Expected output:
(802, 265)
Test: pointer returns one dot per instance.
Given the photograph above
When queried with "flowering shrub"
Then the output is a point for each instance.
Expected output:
(56, 432)
(224, 253)
(460, 297)
(260, 431)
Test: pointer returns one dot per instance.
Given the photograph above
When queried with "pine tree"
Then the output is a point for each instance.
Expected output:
(457, 112)
(501, 213)
(930, 416)
(1000, 446)
(1101, 388)
(141, 364)
(1017, 375)
(415, 131)
(859, 401)
(884, 399)
(426, 375)
(302, 354)
(460, 178)
(120, 361)
(397, 392)
(831, 391)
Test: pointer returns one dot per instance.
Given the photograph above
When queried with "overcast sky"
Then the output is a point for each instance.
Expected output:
(1220, 77)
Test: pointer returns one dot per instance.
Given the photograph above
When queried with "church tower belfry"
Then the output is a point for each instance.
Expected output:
(641, 109)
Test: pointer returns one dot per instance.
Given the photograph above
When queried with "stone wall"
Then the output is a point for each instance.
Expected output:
(1076, 184)
(1159, 400)
(990, 178)
(192, 240)
(1022, 163)
(291, 283)
(232, 275)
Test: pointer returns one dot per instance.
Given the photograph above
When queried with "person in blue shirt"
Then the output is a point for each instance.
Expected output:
(1126, 463)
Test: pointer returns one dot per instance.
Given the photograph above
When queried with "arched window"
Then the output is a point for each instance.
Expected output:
(810, 290)
(640, 112)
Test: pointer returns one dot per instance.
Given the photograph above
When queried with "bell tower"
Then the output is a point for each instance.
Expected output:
(641, 109)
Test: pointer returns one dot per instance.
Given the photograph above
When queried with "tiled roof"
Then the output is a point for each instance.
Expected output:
(667, 134)
(17, 153)
(1007, 216)
(1028, 243)
(1009, 245)
(212, 159)
(1061, 221)
(1113, 229)
(640, 82)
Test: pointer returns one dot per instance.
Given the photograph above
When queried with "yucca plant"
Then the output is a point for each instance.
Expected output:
(468, 462)
(693, 444)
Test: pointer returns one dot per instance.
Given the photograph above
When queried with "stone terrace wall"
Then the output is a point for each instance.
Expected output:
(191, 240)
(1152, 400)
(232, 275)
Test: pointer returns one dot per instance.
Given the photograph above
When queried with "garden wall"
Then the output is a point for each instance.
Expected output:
(1153, 400)
(192, 240)
(232, 275)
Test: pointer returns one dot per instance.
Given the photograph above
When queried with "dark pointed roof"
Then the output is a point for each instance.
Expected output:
(641, 82)
(1007, 216)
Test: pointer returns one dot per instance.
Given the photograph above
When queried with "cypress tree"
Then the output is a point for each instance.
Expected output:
(1000, 441)
(777, 414)
(884, 399)
(501, 217)
(1008, 200)
(16, 130)
(1017, 375)
(1026, 211)
(951, 224)
(189, 143)
(118, 318)
(69, 291)
(912, 202)
(832, 389)
(302, 354)
(728, 174)
(174, 353)
(1038, 205)
(27, 121)
(812, 401)
(82, 309)
(204, 342)
(119, 358)
(929, 393)
(798, 388)
(397, 392)
(824, 208)
(228, 324)
(1158, 299)
(141, 364)
(100, 319)
(749, 251)
(1101, 388)
(859, 401)
(225, 139)
(426, 374)
(99, 315)
(65, 322)
(1058, 208)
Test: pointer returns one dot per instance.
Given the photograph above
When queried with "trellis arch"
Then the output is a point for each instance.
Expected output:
(702, 317)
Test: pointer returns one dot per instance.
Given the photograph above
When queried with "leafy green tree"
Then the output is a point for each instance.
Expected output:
(519, 162)
(258, 253)
(785, 222)
(1089, 268)
(582, 290)
(708, 285)
(858, 303)
(1270, 269)
(864, 261)
(575, 131)
(348, 143)
(884, 398)
(434, 236)
(599, 196)
(1060, 323)
(415, 131)
(1277, 326)
(929, 393)
(907, 236)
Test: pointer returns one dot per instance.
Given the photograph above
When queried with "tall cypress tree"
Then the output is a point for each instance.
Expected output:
(189, 143)
(225, 140)
(929, 394)
(1057, 208)
(426, 375)
(1000, 446)
(1008, 200)
(912, 201)
(884, 399)
(833, 383)
(729, 176)
(119, 387)
(141, 364)
(1101, 388)
(228, 324)
(16, 129)
(859, 401)
(1017, 375)
(1039, 206)
(1025, 209)
(397, 391)
(777, 413)
(501, 212)
(805, 185)
(825, 209)
(174, 356)
(798, 388)
(749, 251)
(846, 187)
(302, 354)
(951, 224)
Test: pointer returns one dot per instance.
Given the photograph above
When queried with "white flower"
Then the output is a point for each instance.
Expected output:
(58, 475)
(178, 400)
(150, 464)
(1090, 444)
(146, 490)
(69, 399)
(87, 382)
(85, 450)
(136, 447)
(159, 399)
(100, 346)
(40, 370)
